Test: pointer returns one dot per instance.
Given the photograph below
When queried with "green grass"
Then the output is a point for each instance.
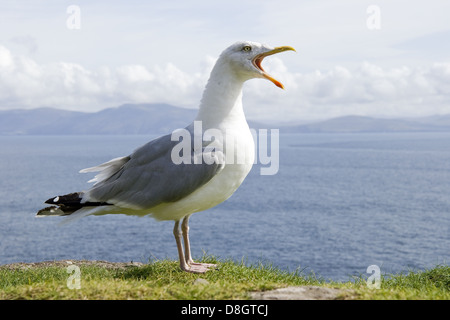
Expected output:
(432, 284)
(232, 280)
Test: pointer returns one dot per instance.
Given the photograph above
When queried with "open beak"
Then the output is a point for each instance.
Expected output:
(260, 57)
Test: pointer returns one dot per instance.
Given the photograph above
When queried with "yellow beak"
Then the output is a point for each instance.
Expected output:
(259, 58)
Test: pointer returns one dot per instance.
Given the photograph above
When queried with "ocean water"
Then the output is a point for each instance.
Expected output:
(338, 204)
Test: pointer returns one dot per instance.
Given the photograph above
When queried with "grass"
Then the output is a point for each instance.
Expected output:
(432, 284)
(232, 280)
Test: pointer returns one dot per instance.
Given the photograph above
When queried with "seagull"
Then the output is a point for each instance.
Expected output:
(189, 170)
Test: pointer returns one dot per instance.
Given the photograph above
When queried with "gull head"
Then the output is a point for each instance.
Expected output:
(244, 58)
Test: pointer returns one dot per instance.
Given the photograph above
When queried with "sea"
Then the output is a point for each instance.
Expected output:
(336, 205)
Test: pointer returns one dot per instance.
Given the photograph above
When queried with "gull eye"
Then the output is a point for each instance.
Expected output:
(247, 49)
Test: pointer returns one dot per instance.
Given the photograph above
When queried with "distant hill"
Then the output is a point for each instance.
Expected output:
(164, 118)
(351, 124)
(126, 119)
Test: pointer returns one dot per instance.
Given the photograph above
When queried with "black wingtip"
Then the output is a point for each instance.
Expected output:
(67, 204)
(51, 200)
(68, 199)
(50, 211)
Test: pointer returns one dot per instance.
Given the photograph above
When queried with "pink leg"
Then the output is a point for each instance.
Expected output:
(187, 246)
(177, 234)
(185, 263)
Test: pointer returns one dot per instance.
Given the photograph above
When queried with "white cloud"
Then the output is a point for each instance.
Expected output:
(367, 89)
(6, 58)
(26, 84)
(364, 90)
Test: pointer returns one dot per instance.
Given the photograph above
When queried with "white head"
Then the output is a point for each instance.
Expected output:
(244, 59)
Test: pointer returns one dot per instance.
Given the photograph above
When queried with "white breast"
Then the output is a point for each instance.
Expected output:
(220, 187)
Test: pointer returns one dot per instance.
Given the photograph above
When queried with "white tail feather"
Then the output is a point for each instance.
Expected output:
(106, 169)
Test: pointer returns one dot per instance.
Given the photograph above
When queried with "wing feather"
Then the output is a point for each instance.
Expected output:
(106, 169)
(149, 177)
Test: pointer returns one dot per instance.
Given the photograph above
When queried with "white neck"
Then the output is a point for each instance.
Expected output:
(222, 99)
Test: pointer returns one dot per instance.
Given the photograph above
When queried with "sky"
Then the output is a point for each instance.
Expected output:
(386, 58)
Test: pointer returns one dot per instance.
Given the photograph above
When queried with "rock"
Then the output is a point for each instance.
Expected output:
(299, 293)
(200, 281)
(65, 263)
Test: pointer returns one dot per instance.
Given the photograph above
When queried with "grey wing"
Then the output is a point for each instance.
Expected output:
(149, 176)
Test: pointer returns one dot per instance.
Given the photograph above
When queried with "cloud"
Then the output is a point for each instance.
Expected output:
(27, 84)
(367, 89)
(26, 41)
(364, 90)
